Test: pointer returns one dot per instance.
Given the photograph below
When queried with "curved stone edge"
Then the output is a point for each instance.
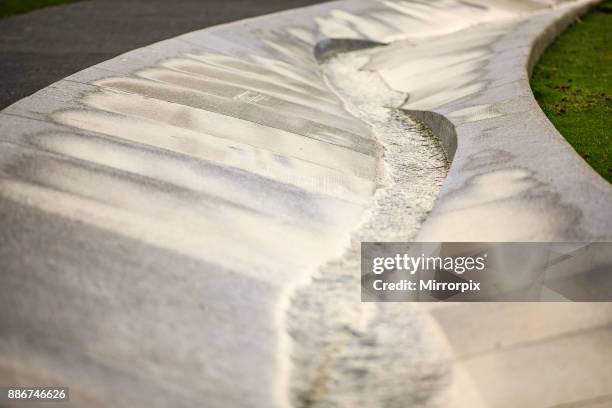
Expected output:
(454, 179)
(530, 341)
(563, 199)
(442, 127)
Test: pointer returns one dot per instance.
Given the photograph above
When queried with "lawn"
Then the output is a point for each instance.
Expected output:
(10, 7)
(573, 84)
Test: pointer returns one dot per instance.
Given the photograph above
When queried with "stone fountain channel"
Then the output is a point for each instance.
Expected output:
(344, 352)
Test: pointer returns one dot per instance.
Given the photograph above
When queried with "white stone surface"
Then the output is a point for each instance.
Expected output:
(158, 210)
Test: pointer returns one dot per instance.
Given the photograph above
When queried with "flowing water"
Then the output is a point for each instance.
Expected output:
(348, 353)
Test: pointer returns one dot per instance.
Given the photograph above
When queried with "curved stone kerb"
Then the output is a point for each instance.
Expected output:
(514, 177)
(165, 201)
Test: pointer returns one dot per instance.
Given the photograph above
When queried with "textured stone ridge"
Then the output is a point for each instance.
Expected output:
(158, 210)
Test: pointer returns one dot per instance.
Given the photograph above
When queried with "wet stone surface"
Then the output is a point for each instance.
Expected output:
(347, 353)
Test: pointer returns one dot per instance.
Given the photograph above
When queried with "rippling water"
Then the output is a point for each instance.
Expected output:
(348, 353)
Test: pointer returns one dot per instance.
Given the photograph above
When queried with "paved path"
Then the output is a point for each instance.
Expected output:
(39, 48)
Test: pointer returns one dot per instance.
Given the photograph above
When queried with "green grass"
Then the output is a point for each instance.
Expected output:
(573, 84)
(10, 7)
